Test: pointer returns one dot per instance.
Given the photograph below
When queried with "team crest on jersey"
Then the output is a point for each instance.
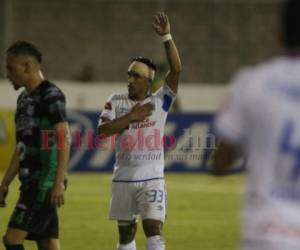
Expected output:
(123, 110)
(108, 106)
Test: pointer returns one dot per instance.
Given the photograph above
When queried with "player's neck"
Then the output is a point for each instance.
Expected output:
(139, 98)
(34, 81)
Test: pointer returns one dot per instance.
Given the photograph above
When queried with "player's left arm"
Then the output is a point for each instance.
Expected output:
(63, 153)
(54, 103)
(161, 25)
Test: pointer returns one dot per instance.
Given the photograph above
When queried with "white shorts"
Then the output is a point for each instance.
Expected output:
(147, 199)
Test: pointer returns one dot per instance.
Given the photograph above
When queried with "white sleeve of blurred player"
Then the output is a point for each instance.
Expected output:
(233, 121)
(109, 110)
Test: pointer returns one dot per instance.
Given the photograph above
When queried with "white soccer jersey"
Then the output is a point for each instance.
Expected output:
(139, 149)
(262, 114)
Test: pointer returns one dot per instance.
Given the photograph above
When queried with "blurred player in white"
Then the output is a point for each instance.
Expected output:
(138, 117)
(262, 118)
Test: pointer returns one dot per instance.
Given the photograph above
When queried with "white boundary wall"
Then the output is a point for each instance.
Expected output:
(192, 97)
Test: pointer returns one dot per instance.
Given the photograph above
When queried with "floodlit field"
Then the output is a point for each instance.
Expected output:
(203, 213)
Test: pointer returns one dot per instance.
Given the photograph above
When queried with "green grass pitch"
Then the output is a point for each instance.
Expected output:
(203, 213)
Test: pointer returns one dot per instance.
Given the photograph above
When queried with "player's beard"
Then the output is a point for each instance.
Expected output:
(131, 93)
(16, 87)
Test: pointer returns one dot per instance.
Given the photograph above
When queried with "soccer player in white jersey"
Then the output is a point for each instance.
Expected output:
(262, 119)
(138, 118)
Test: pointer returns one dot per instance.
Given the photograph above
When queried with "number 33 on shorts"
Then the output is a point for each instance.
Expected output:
(155, 204)
(156, 195)
(152, 201)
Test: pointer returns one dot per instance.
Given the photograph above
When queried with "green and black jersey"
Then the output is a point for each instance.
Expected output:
(37, 113)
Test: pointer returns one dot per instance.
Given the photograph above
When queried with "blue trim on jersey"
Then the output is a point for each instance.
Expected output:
(167, 102)
(156, 178)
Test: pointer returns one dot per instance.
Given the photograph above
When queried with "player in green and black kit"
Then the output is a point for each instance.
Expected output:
(41, 155)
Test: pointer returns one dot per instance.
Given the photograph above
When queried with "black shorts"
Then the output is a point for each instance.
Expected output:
(34, 214)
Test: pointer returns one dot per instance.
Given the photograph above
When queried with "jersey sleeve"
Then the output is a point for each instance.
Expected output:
(109, 110)
(54, 102)
(232, 122)
(167, 97)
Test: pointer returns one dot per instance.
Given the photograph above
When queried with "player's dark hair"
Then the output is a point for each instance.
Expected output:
(146, 61)
(25, 48)
(290, 24)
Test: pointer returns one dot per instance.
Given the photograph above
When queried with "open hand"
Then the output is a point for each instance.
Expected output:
(57, 195)
(161, 24)
(3, 194)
